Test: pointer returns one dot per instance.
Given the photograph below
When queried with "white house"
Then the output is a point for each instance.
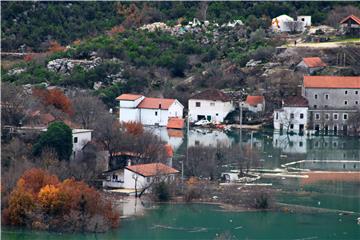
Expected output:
(293, 116)
(148, 111)
(284, 23)
(305, 19)
(254, 103)
(139, 176)
(80, 138)
(210, 104)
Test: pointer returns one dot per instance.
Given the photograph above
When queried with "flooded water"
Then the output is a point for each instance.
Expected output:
(195, 221)
(336, 193)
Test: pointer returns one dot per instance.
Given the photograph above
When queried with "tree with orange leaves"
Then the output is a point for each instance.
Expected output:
(40, 199)
(134, 128)
(56, 47)
(54, 97)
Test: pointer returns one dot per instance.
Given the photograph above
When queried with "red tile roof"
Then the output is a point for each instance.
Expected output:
(313, 62)
(212, 94)
(353, 17)
(331, 82)
(176, 123)
(156, 103)
(254, 100)
(169, 150)
(175, 133)
(295, 101)
(128, 97)
(152, 169)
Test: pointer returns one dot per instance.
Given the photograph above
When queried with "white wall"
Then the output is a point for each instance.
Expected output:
(176, 109)
(154, 116)
(129, 103)
(305, 19)
(210, 139)
(129, 180)
(216, 109)
(129, 115)
(284, 117)
(290, 143)
(82, 139)
(259, 107)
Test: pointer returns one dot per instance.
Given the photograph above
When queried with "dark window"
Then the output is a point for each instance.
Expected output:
(291, 126)
(356, 102)
(356, 92)
(327, 96)
(316, 96)
(301, 115)
(155, 113)
(317, 116)
(197, 143)
(292, 115)
(346, 92)
(335, 116)
(315, 106)
(197, 104)
(345, 116)
(345, 102)
(75, 139)
(277, 116)
(300, 144)
(217, 114)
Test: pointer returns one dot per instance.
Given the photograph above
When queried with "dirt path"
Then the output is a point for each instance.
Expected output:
(323, 44)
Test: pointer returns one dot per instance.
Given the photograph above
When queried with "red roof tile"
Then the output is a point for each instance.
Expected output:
(176, 123)
(128, 97)
(254, 100)
(353, 17)
(212, 94)
(295, 101)
(331, 82)
(156, 103)
(152, 169)
(313, 62)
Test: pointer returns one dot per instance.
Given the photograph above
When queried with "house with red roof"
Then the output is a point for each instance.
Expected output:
(351, 25)
(211, 104)
(333, 100)
(148, 111)
(139, 176)
(311, 64)
(254, 103)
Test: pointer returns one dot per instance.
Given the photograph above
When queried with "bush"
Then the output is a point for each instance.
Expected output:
(161, 191)
(260, 199)
(191, 194)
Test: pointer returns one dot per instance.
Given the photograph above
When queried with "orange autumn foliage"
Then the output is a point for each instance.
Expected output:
(134, 128)
(40, 195)
(54, 97)
(56, 47)
(116, 29)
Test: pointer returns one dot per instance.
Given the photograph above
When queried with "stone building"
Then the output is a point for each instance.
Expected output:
(333, 100)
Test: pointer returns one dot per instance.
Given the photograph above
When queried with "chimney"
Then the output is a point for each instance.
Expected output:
(160, 106)
(129, 162)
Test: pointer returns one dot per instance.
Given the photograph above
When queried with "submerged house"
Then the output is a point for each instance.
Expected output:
(139, 176)
(148, 111)
(284, 23)
(212, 105)
(311, 64)
(293, 116)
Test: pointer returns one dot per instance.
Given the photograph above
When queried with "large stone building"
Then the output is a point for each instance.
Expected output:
(333, 100)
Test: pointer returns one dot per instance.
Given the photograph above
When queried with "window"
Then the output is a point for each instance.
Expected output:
(217, 114)
(316, 96)
(356, 102)
(317, 116)
(356, 92)
(75, 139)
(212, 104)
(315, 106)
(277, 116)
(345, 116)
(345, 102)
(300, 144)
(197, 143)
(335, 116)
(327, 116)
(346, 92)
(148, 179)
(291, 126)
(155, 113)
(301, 115)
(197, 104)
(327, 96)
(292, 115)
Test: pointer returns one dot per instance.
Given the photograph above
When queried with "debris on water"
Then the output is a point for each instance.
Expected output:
(283, 178)
(283, 156)
(319, 202)
(230, 220)
(270, 156)
(215, 197)
(239, 227)
(358, 220)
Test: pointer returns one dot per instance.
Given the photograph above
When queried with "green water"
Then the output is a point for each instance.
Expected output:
(198, 221)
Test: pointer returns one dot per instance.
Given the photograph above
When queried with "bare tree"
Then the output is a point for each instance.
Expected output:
(202, 11)
(88, 110)
(294, 26)
(340, 12)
